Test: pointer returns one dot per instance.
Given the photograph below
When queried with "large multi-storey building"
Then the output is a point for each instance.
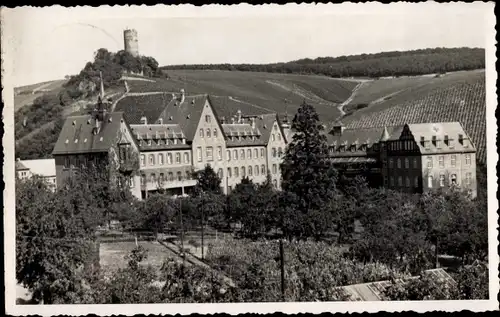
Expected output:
(410, 157)
(173, 136)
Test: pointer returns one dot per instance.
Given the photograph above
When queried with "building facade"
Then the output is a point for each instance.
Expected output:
(409, 158)
(95, 139)
(42, 168)
(173, 136)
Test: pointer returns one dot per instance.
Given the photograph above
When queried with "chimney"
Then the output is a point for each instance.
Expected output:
(183, 95)
(232, 120)
(222, 120)
(239, 115)
(160, 121)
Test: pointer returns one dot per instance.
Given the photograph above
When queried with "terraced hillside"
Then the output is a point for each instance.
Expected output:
(25, 95)
(454, 97)
(268, 91)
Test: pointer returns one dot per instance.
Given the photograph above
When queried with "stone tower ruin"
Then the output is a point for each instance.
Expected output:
(131, 42)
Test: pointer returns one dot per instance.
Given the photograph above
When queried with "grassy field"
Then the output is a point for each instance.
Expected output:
(112, 254)
(455, 97)
(269, 91)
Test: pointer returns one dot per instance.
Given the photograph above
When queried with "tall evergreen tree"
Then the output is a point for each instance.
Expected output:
(306, 169)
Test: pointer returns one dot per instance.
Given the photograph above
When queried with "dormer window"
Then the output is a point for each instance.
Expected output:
(446, 140)
(150, 142)
(422, 140)
(175, 141)
(144, 120)
(461, 139)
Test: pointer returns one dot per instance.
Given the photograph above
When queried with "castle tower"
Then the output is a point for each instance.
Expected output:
(131, 42)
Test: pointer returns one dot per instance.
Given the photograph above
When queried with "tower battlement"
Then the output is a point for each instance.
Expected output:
(131, 42)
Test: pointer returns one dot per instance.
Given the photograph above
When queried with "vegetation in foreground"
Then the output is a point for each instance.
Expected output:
(403, 235)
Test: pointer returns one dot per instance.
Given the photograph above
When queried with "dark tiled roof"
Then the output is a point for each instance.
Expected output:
(157, 131)
(186, 114)
(243, 134)
(358, 142)
(143, 105)
(265, 125)
(162, 136)
(77, 134)
(228, 107)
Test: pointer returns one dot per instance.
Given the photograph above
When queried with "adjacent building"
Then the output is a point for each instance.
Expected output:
(409, 157)
(97, 138)
(173, 135)
(42, 168)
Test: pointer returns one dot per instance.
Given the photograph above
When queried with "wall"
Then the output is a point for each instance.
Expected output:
(277, 142)
(413, 173)
(203, 142)
(184, 166)
(460, 170)
(252, 161)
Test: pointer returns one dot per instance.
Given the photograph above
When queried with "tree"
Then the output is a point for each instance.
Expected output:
(208, 181)
(306, 168)
(158, 212)
(54, 239)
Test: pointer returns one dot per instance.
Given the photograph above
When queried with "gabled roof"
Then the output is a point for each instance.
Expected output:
(186, 114)
(77, 134)
(41, 167)
(440, 131)
(20, 166)
(149, 105)
(265, 124)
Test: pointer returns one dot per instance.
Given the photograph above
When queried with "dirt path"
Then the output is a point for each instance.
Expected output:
(348, 100)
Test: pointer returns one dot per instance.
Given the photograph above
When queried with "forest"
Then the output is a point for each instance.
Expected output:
(385, 64)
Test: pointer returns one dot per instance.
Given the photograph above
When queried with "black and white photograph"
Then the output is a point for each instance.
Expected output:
(295, 158)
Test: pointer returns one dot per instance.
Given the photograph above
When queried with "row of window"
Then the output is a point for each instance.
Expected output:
(441, 161)
(251, 171)
(208, 133)
(430, 180)
(161, 179)
(406, 160)
(160, 141)
(159, 159)
(453, 160)
(276, 136)
(209, 153)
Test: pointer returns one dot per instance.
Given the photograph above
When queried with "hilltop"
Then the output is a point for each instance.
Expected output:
(395, 63)
(459, 96)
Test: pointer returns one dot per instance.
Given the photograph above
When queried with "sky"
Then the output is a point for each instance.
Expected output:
(51, 42)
